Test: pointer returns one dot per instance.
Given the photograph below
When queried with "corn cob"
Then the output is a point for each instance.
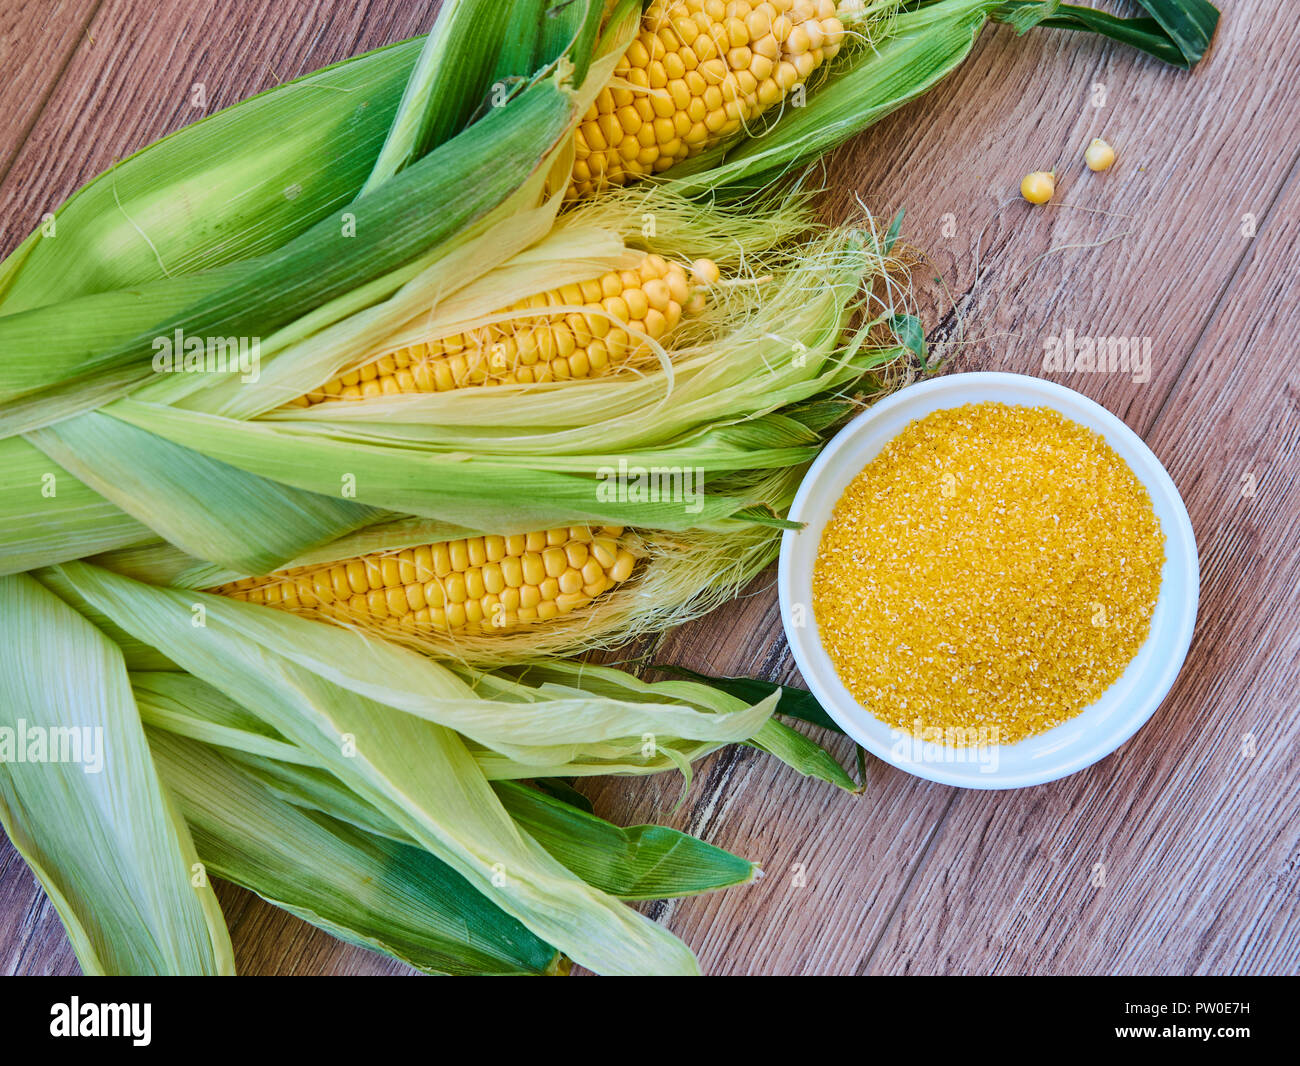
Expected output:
(698, 71)
(602, 330)
(479, 584)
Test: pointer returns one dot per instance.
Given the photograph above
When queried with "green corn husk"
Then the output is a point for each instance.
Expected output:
(363, 889)
(376, 717)
(49, 516)
(556, 675)
(471, 51)
(573, 711)
(643, 862)
(1178, 32)
(518, 721)
(105, 841)
(315, 137)
(142, 463)
(637, 863)
(175, 489)
(322, 261)
(796, 750)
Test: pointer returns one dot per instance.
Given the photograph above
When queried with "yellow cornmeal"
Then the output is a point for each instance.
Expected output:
(994, 568)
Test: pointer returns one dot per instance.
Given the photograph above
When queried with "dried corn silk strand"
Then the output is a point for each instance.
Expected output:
(995, 568)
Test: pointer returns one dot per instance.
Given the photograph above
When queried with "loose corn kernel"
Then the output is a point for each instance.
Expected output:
(1038, 187)
(1099, 155)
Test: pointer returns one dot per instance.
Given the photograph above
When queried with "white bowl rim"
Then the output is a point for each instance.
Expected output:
(1180, 582)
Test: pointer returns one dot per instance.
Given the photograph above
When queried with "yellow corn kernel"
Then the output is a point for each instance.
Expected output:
(534, 344)
(683, 49)
(481, 584)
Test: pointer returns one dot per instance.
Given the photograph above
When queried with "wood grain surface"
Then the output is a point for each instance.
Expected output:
(1180, 853)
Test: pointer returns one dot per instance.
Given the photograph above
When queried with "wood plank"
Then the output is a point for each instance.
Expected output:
(37, 40)
(1199, 838)
(33, 941)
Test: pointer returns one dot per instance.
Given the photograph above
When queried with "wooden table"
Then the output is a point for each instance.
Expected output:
(1192, 240)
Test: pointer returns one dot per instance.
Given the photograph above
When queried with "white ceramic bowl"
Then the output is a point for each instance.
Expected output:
(1069, 747)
